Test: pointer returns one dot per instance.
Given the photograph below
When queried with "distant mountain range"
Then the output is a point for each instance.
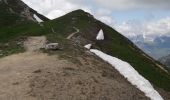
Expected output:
(15, 12)
(159, 47)
(57, 74)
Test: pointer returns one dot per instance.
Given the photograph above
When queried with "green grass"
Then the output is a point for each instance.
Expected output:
(10, 48)
(117, 45)
(114, 44)
(13, 33)
(7, 18)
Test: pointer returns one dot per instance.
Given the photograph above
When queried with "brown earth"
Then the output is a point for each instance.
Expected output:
(37, 76)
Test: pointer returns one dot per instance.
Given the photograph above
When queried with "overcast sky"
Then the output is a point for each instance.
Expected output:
(149, 18)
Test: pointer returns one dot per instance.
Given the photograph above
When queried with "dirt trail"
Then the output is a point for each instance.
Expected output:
(72, 34)
(14, 75)
(37, 76)
(16, 69)
(35, 43)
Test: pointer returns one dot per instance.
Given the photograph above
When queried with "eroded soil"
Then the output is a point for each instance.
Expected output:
(34, 75)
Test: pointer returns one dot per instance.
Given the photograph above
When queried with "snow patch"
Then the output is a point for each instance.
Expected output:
(37, 18)
(88, 46)
(100, 35)
(131, 74)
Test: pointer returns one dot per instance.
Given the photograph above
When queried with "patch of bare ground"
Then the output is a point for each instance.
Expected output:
(37, 76)
(90, 79)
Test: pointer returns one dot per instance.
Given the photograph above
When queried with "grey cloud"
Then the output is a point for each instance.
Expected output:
(134, 4)
(59, 7)
(102, 10)
(149, 29)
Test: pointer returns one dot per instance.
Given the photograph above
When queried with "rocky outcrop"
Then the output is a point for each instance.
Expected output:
(20, 8)
(52, 46)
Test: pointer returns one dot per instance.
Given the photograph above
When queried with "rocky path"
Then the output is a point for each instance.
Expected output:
(72, 34)
(33, 44)
(37, 76)
(34, 75)
(15, 70)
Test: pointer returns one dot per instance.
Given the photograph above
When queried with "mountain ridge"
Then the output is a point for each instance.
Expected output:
(165, 60)
(88, 31)
(18, 12)
(157, 48)
(57, 31)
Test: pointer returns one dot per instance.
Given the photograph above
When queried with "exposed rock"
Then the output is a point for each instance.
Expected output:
(52, 46)
(6, 45)
(11, 10)
(1, 54)
(5, 1)
(24, 11)
(19, 43)
(37, 71)
(34, 43)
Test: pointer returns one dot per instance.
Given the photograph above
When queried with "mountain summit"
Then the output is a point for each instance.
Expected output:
(113, 68)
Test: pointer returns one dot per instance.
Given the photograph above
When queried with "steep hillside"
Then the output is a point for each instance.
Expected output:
(16, 18)
(73, 31)
(15, 12)
(114, 44)
(165, 60)
(34, 75)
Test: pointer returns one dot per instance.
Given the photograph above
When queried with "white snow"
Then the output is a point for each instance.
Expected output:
(100, 35)
(131, 74)
(88, 46)
(37, 18)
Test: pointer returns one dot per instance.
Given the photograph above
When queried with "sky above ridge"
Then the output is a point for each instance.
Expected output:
(149, 18)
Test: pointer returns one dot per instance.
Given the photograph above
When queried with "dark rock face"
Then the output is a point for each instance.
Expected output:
(20, 8)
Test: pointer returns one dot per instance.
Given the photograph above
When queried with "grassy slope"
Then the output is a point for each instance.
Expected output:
(165, 60)
(118, 47)
(114, 44)
(6, 18)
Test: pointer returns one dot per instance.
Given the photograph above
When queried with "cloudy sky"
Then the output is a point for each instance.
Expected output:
(149, 18)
